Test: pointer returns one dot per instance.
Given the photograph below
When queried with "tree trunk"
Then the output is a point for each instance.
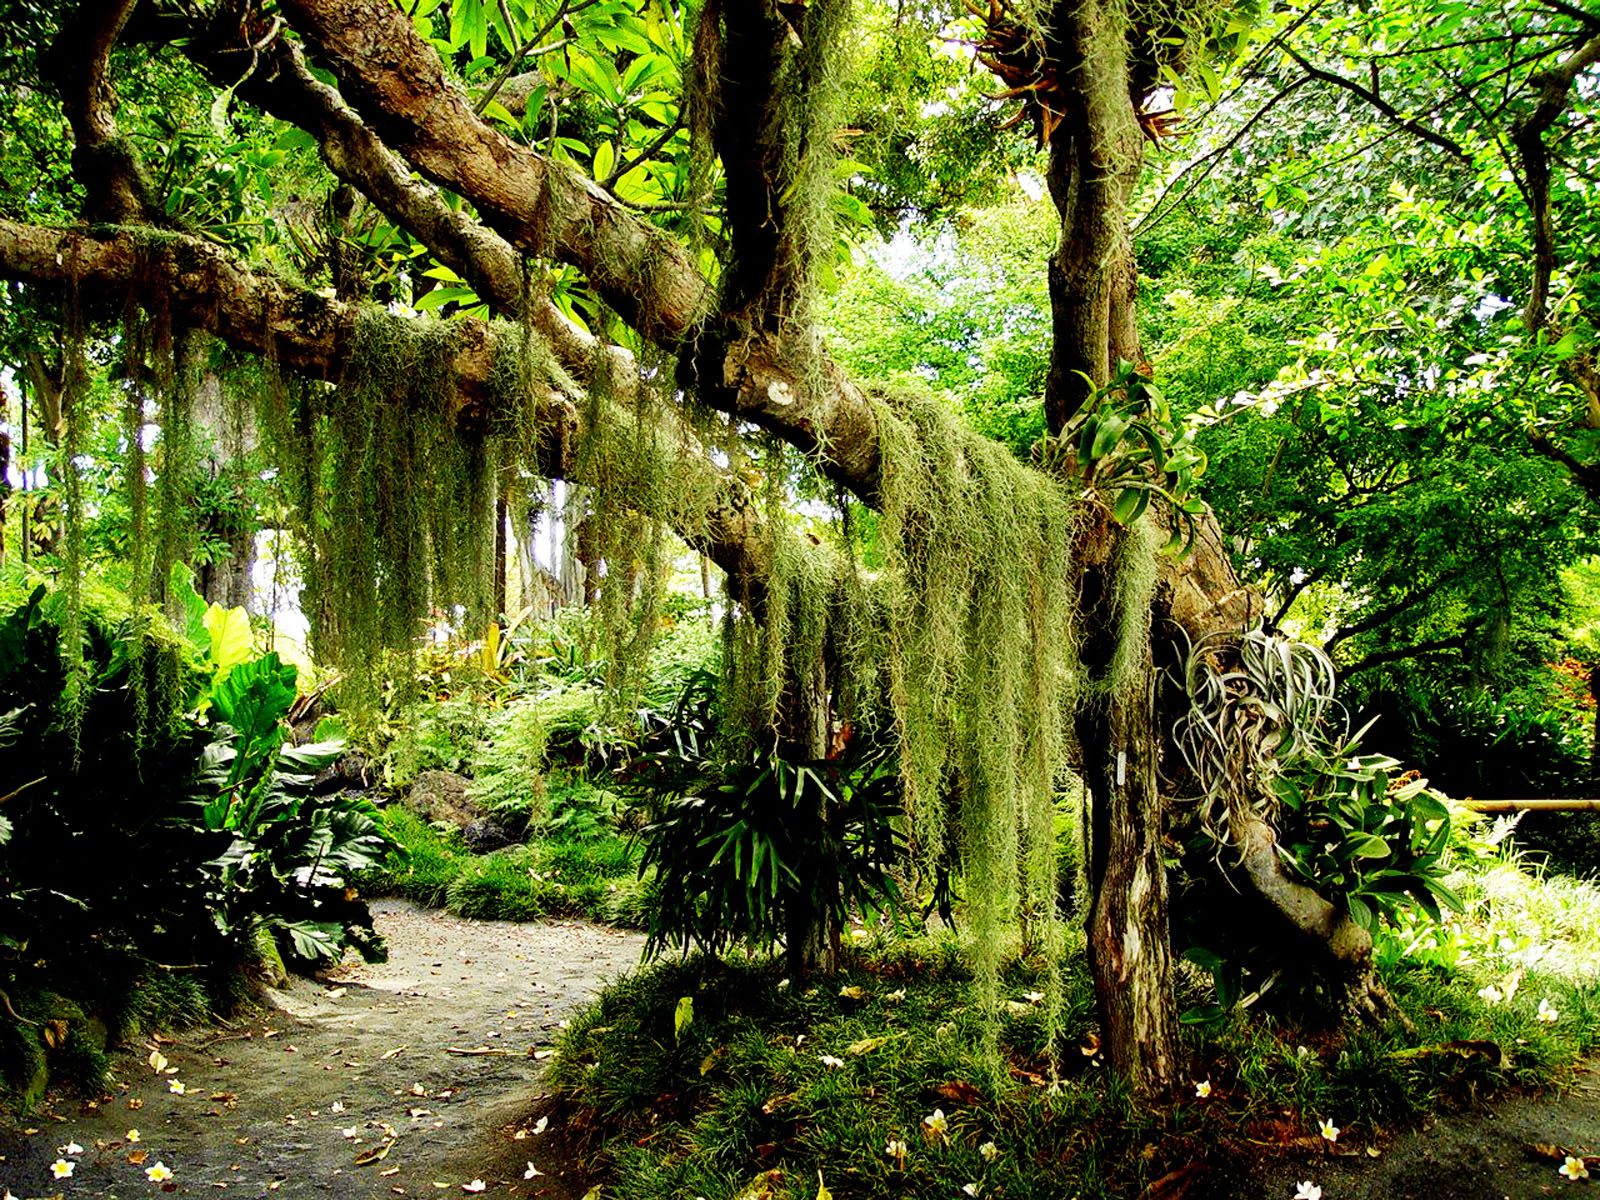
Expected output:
(1129, 940)
(813, 934)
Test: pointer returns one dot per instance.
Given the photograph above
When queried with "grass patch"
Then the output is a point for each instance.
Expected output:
(769, 1084)
(595, 878)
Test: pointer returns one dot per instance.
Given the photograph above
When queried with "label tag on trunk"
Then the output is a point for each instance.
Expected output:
(1122, 767)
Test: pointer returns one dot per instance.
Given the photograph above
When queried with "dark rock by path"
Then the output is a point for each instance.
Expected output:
(285, 1104)
(488, 834)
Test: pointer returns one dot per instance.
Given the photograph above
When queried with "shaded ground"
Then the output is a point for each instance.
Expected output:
(1485, 1154)
(257, 1116)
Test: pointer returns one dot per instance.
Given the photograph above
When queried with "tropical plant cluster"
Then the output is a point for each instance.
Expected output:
(157, 820)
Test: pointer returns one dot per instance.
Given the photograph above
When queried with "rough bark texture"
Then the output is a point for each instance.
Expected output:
(1129, 944)
(1096, 152)
(395, 80)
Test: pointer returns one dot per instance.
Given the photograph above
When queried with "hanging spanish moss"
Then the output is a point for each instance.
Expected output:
(984, 662)
(74, 397)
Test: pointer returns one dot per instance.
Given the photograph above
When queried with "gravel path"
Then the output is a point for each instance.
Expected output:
(288, 1102)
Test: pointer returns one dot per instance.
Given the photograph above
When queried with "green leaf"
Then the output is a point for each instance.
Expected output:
(191, 606)
(682, 1017)
(231, 638)
(605, 157)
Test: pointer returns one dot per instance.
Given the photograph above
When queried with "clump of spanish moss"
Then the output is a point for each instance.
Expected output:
(984, 659)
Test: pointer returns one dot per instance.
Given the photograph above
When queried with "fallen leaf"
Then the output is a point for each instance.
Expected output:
(137, 1157)
(960, 1091)
(1548, 1151)
(392, 1053)
(157, 1061)
(387, 1171)
(1172, 1185)
(373, 1153)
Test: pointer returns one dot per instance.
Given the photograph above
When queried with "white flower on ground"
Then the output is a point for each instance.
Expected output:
(783, 985)
(970, 1189)
(897, 1150)
(1308, 1191)
(351, 1132)
(132, 1135)
(176, 1087)
(1574, 1168)
(532, 1172)
(1202, 1088)
(989, 1151)
(70, 1149)
(936, 1121)
(1033, 997)
(1329, 1130)
(62, 1169)
(897, 994)
(829, 1060)
(477, 1185)
(159, 1173)
(1490, 994)
(945, 1030)
(338, 1106)
(1546, 1013)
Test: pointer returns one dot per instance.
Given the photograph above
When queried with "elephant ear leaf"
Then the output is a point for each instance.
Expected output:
(231, 639)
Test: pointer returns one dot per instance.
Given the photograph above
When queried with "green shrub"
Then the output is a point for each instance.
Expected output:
(748, 844)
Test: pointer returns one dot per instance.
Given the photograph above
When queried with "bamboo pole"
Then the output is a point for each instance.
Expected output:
(1497, 806)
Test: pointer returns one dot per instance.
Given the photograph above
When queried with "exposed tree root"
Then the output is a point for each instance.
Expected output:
(1325, 930)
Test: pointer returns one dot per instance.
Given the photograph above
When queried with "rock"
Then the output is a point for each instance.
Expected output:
(442, 796)
(348, 773)
(488, 834)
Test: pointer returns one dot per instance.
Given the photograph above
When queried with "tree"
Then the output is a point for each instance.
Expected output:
(651, 211)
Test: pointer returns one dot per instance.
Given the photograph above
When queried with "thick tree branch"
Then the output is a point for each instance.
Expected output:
(1401, 653)
(395, 80)
(78, 64)
(1585, 475)
(399, 85)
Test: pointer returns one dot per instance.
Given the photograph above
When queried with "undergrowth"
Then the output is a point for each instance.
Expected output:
(595, 877)
(877, 1080)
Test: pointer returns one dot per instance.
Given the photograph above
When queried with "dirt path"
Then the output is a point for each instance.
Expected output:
(283, 1105)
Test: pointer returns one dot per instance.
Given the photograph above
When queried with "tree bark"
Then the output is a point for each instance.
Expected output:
(1129, 941)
